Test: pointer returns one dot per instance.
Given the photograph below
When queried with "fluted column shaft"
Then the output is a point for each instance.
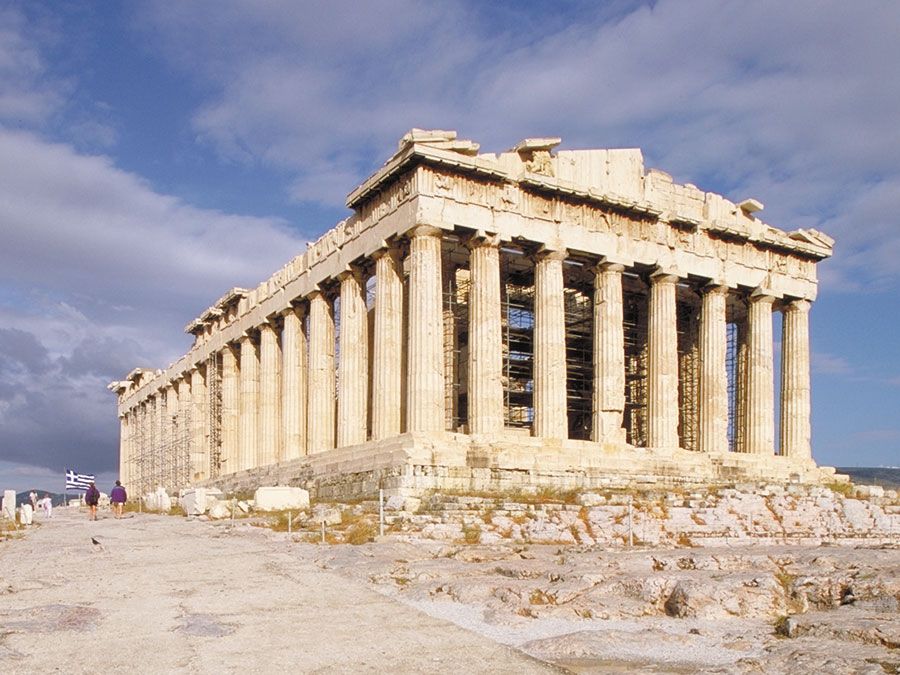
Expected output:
(485, 387)
(425, 372)
(550, 409)
(231, 403)
(200, 423)
(662, 375)
(608, 401)
(795, 386)
(123, 447)
(321, 374)
(760, 414)
(248, 425)
(354, 366)
(269, 445)
(713, 371)
(293, 384)
(184, 446)
(387, 348)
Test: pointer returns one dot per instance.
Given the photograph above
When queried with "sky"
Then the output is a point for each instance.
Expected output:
(154, 154)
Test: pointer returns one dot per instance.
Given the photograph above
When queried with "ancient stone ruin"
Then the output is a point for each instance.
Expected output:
(498, 321)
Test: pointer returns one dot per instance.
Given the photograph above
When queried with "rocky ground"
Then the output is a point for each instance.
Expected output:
(741, 582)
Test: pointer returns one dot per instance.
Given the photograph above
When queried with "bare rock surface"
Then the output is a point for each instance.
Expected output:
(672, 610)
(160, 594)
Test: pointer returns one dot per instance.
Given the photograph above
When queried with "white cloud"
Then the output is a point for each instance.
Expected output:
(99, 273)
(824, 363)
(788, 102)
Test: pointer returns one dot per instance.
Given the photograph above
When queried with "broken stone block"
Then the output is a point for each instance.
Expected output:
(243, 506)
(220, 510)
(26, 512)
(281, 498)
(328, 514)
(197, 501)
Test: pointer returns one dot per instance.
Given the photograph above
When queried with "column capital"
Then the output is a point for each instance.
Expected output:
(797, 305)
(714, 288)
(483, 239)
(351, 271)
(761, 295)
(606, 266)
(547, 253)
(386, 249)
(664, 275)
(423, 230)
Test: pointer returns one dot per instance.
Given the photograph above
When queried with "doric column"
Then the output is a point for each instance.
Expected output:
(795, 389)
(269, 446)
(248, 425)
(662, 366)
(200, 424)
(123, 447)
(425, 372)
(713, 371)
(760, 413)
(320, 427)
(231, 406)
(293, 383)
(185, 443)
(485, 387)
(388, 341)
(354, 366)
(608, 403)
(550, 409)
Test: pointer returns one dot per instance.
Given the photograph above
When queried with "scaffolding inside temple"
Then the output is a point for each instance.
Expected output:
(456, 279)
(688, 328)
(214, 409)
(579, 318)
(160, 459)
(636, 353)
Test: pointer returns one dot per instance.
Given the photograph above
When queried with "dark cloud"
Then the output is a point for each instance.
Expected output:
(21, 353)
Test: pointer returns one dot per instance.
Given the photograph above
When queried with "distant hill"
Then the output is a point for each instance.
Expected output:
(58, 499)
(872, 475)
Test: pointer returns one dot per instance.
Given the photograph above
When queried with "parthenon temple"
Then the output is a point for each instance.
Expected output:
(531, 318)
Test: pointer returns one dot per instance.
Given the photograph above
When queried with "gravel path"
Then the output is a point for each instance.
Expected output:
(162, 594)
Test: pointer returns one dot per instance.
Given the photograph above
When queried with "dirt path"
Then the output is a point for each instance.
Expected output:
(161, 594)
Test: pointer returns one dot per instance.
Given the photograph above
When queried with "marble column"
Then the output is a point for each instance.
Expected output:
(321, 411)
(200, 424)
(269, 445)
(713, 371)
(354, 364)
(485, 385)
(185, 443)
(550, 405)
(388, 341)
(795, 387)
(608, 401)
(248, 424)
(293, 383)
(231, 407)
(123, 447)
(662, 366)
(760, 412)
(425, 371)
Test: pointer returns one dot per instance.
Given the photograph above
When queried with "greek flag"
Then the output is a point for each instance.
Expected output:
(78, 481)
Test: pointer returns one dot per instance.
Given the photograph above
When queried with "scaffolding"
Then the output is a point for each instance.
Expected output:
(456, 279)
(579, 320)
(162, 449)
(635, 314)
(214, 409)
(688, 328)
(517, 317)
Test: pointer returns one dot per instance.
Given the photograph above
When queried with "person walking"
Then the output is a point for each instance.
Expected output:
(92, 498)
(118, 497)
(47, 504)
(32, 497)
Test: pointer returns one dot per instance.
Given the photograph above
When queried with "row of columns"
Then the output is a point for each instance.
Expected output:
(278, 392)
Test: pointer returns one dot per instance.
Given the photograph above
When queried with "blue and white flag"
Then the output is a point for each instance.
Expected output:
(78, 481)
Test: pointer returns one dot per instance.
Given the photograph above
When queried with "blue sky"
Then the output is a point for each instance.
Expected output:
(154, 154)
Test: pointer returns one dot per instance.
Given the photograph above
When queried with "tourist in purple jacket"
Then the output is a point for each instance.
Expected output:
(118, 497)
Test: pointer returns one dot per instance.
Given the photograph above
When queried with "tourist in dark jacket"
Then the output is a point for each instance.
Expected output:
(118, 497)
(92, 498)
